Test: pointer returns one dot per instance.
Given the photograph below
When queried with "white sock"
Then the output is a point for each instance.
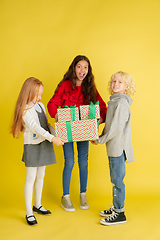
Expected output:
(83, 194)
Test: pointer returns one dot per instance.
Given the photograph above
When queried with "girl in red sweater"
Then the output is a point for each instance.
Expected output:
(76, 87)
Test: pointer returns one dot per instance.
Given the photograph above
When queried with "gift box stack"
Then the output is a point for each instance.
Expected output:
(78, 124)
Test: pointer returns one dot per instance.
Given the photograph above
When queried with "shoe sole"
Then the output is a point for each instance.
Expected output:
(48, 214)
(112, 223)
(84, 208)
(32, 225)
(67, 209)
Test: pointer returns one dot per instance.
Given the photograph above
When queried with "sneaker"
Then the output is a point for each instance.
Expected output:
(83, 201)
(106, 213)
(66, 203)
(115, 218)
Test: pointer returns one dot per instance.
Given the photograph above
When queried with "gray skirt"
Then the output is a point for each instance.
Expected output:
(36, 155)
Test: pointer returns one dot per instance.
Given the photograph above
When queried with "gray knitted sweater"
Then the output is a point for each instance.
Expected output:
(117, 131)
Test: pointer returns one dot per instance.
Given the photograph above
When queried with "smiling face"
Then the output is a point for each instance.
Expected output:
(118, 85)
(81, 70)
(37, 97)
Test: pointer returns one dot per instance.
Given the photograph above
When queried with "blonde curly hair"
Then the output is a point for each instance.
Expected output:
(131, 89)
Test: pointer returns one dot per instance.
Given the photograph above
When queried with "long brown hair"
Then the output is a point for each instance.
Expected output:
(88, 84)
(27, 93)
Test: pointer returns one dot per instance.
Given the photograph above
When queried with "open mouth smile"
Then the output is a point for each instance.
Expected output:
(82, 75)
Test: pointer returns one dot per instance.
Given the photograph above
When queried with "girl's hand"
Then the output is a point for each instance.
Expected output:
(56, 117)
(93, 142)
(101, 120)
(57, 141)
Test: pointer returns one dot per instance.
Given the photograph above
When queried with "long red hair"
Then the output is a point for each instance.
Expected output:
(27, 93)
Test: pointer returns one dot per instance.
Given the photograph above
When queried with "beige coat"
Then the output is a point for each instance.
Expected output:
(117, 130)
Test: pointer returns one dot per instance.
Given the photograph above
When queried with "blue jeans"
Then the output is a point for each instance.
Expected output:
(68, 149)
(117, 173)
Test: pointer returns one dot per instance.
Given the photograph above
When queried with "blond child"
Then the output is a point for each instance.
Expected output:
(30, 117)
(117, 136)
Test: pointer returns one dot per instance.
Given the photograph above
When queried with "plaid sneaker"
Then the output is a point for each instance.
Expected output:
(66, 203)
(106, 213)
(83, 201)
(115, 218)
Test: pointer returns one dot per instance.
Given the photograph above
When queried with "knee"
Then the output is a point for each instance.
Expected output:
(40, 173)
(69, 165)
(30, 178)
(83, 164)
(117, 182)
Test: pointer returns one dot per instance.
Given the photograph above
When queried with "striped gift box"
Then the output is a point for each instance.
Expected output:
(75, 131)
(64, 114)
(84, 112)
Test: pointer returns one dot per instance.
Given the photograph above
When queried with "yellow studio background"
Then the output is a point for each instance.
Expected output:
(40, 38)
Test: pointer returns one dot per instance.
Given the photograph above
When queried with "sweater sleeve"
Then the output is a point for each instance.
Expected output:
(35, 128)
(56, 101)
(117, 125)
(103, 108)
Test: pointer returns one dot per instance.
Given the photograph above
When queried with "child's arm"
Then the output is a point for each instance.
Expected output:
(53, 132)
(121, 116)
(36, 128)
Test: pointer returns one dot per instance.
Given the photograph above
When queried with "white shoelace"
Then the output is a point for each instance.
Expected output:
(110, 209)
(112, 217)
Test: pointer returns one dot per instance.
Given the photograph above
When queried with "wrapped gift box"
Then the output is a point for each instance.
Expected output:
(90, 111)
(68, 114)
(75, 131)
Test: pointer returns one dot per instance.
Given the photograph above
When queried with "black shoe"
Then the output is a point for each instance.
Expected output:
(106, 213)
(38, 210)
(33, 222)
(115, 218)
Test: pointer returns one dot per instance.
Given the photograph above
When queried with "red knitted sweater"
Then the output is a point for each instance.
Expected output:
(67, 96)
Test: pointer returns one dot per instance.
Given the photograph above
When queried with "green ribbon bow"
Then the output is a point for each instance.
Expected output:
(92, 109)
(72, 111)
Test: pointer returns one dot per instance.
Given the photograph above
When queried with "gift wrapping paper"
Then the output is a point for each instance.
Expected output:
(64, 114)
(84, 112)
(82, 130)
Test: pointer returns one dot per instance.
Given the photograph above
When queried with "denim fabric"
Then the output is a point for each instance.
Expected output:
(68, 149)
(117, 173)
